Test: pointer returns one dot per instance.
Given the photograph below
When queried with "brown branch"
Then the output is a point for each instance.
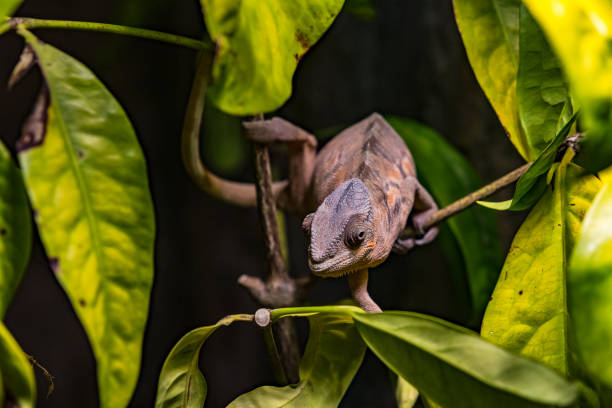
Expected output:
(279, 289)
(469, 199)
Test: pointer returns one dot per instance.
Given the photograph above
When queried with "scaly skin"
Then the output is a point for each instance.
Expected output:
(362, 187)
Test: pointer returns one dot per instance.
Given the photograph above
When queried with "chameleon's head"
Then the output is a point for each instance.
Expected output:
(342, 232)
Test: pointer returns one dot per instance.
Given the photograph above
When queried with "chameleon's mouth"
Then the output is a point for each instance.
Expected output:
(331, 268)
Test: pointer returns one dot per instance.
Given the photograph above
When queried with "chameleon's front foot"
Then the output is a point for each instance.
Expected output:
(403, 245)
(358, 283)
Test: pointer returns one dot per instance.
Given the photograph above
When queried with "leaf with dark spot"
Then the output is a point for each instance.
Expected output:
(95, 216)
(258, 46)
(521, 317)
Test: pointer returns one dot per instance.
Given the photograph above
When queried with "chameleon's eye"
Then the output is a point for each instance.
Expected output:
(354, 232)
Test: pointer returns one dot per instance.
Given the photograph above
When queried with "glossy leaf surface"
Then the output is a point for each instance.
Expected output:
(181, 383)
(15, 228)
(87, 180)
(406, 395)
(8, 7)
(332, 357)
(17, 372)
(453, 367)
(532, 185)
(589, 286)
(448, 177)
(579, 31)
(528, 311)
(258, 46)
(541, 88)
(490, 32)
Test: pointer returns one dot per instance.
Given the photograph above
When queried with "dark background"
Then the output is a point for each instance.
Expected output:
(408, 61)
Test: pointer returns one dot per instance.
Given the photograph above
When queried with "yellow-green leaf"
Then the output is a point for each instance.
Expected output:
(15, 228)
(86, 177)
(181, 383)
(448, 176)
(489, 29)
(332, 357)
(17, 372)
(532, 184)
(579, 32)
(590, 286)
(541, 89)
(258, 47)
(8, 7)
(453, 367)
(528, 311)
(406, 395)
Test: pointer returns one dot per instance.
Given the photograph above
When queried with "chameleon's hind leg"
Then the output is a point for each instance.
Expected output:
(358, 283)
(424, 206)
(302, 151)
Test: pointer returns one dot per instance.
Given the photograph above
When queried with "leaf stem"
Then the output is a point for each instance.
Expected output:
(31, 23)
(470, 199)
(279, 313)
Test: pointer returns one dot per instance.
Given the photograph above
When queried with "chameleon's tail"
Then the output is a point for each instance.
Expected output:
(234, 192)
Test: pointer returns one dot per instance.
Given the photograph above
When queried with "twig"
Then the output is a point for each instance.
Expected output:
(45, 372)
(16, 22)
(279, 288)
(469, 199)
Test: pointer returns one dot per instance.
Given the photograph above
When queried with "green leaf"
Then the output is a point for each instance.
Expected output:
(500, 206)
(490, 32)
(589, 286)
(579, 33)
(17, 372)
(528, 312)
(532, 185)
(8, 7)
(2, 396)
(541, 89)
(453, 367)
(332, 357)
(258, 47)
(448, 177)
(406, 395)
(181, 383)
(15, 228)
(224, 147)
(362, 9)
(87, 180)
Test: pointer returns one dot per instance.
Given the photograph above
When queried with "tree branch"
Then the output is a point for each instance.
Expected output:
(469, 199)
(25, 22)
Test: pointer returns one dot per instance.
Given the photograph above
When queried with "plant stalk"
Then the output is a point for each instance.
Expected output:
(33, 23)
(470, 199)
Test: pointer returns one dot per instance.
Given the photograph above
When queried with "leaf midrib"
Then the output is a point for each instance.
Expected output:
(475, 376)
(83, 187)
(505, 32)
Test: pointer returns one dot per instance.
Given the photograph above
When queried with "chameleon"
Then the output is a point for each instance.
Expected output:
(357, 194)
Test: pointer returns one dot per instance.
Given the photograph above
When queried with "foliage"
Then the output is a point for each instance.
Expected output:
(247, 78)
(546, 330)
(448, 176)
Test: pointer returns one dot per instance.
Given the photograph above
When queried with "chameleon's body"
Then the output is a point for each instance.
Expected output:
(363, 189)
